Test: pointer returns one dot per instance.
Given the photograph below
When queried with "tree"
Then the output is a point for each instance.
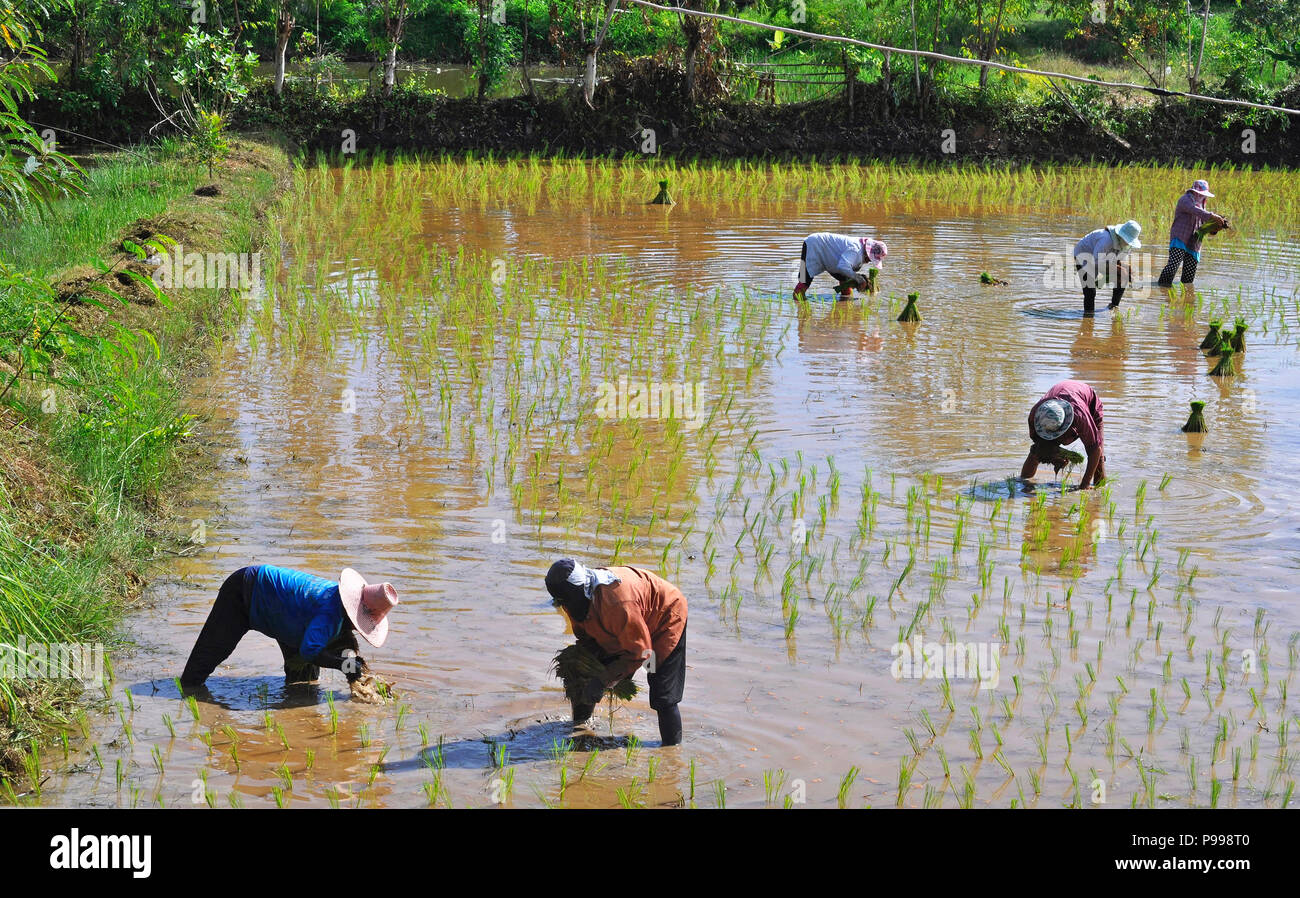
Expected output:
(284, 20)
(591, 48)
(388, 26)
(32, 173)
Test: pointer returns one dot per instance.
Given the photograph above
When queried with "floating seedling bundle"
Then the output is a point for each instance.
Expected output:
(1196, 422)
(909, 312)
(1225, 367)
(1211, 341)
(986, 278)
(575, 664)
(1238, 339)
(662, 198)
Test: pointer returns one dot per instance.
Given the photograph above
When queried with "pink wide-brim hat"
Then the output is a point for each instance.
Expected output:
(876, 249)
(1201, 187)
(367, 605)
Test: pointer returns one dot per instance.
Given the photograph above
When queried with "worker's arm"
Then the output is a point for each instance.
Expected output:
(324, 647)
(846, 268)
(1030, 467)
(1095, 471)
(634, 644)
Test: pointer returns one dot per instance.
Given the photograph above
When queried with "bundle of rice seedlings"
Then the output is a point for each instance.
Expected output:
(909, 312)
(575, 664)
(872, 286)
(1210, 227)
(845, 289)
(986, 278)
(1238, 338)
(1070, 457)
(662, 198)
(1211, 340)
(1196, 423)
(370, 689)
(1224, 368)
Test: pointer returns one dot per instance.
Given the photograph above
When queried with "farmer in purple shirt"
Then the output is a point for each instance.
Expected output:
(312, 619)
(1184, 237)
(1067, 412)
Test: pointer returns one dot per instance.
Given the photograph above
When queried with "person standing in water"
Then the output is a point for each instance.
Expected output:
(1099, 259)
(635, 617)
(840, 256)
(1184, 237)
(312, 619)
(1067, 412)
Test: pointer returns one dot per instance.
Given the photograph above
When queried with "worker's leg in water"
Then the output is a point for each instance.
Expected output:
(1189, 268)
(1116, 294)
(1088, 277)
(667, 685)
(1166, 278)
(226, 624)
(581, 712)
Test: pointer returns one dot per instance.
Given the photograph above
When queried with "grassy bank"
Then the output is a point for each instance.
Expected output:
(93, 432)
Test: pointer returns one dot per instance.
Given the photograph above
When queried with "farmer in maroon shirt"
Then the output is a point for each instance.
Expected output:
(1067, 412)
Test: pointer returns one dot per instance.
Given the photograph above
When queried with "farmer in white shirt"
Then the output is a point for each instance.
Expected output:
(1098, 258)
(841, 257)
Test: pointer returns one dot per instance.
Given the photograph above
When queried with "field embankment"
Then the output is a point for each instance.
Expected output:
(95, 442)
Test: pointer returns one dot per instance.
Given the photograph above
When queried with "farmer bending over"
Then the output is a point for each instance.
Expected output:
(312, 619)
(1098, 258)
(840, 256)
(1184, 236)
(1067, 412)
(634, 617)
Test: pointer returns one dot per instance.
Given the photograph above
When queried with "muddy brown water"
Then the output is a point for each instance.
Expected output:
(304, 483)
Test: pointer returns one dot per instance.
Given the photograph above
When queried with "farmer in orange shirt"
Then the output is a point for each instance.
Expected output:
(637, 619)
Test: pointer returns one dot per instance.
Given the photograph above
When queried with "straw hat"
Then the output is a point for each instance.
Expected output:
(1052, 419)
(876, 249)
(1128, 232)
(367, 605)
(1201, 187)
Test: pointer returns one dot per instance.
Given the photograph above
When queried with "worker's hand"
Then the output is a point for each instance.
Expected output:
(862, 281)
(354, 666)
(592, 691)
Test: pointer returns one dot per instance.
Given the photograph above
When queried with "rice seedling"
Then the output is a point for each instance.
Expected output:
(846, 785)
(1213, 337)
(1195, 423)
(720, 794)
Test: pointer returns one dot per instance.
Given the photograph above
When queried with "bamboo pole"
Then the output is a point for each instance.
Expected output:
(957, 60)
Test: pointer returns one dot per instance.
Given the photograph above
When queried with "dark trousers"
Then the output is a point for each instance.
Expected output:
(1177, 257)
(226, 624)
(1090, 289)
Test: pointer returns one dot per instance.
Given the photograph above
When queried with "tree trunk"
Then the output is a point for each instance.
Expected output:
(992, 44)
(390, 69)
(589, 72)
(528, 81)
(693, 40)
(916, 60)
(1200, 56)
(283, 31)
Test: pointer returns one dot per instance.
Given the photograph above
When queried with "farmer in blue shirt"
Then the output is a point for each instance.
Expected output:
(312, 619)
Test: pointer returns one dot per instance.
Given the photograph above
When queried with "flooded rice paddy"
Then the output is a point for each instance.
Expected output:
(419, 395)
